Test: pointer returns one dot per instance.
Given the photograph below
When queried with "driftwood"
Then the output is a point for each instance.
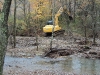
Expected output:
(92, 54)
(61, 52)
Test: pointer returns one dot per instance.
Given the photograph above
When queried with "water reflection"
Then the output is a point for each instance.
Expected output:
(90, 66)
(81, 65)
(67, 64)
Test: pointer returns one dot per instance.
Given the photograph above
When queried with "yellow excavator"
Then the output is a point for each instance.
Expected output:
(48, 29)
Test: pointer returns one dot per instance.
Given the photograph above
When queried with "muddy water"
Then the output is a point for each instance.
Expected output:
(66, 64)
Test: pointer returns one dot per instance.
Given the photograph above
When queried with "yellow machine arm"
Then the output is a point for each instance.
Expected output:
(60, 11)
(57, 15)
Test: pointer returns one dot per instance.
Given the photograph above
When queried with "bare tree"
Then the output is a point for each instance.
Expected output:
(93, 15)
(14, 27)
(53, 12)
(4, 32)
(23, 7)
(74, 9)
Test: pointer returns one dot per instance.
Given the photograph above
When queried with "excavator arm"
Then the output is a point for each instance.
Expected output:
(60, 11)
(58, 14)
(68, 13)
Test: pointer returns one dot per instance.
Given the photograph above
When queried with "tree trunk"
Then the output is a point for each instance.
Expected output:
(24, 9)
(94, 14)
(4, 32)
(53, 12)
(74, 9)
(28, 20)
(14, 29)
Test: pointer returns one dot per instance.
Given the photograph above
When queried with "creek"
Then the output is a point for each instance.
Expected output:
(77, 65)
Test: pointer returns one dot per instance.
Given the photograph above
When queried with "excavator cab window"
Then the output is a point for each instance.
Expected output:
(50, 22)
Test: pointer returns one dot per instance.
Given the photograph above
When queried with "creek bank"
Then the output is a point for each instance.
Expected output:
(26, 47)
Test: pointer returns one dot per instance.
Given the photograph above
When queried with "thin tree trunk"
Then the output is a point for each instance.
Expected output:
(85, 31)
(74, 9)
(4, 32)
(53, 11)
(94, 20)
(24, 5)
(28, 24)
(94, 36)
(14, 27)
(85, 28)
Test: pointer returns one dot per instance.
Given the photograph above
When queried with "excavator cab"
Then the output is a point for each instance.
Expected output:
(50, 22)
(48, 28)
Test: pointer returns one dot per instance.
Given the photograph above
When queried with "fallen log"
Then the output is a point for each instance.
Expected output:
(61, 52)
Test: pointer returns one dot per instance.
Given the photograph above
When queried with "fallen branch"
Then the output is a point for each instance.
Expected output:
(59, 51)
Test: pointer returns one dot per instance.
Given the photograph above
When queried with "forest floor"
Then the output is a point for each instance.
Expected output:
(62, 46)
(27, 47)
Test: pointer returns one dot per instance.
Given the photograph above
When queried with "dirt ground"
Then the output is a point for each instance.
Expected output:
(27, 47)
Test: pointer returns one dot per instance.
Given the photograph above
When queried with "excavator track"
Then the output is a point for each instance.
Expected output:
(59, 33)
(56, 33)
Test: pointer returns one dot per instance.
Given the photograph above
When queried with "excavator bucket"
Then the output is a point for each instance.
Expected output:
(70, 18)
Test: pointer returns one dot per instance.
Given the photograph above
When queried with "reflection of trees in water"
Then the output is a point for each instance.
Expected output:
(93, 67)
(80, 65)
(88, 66)
(76, 64)
(67, 65)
